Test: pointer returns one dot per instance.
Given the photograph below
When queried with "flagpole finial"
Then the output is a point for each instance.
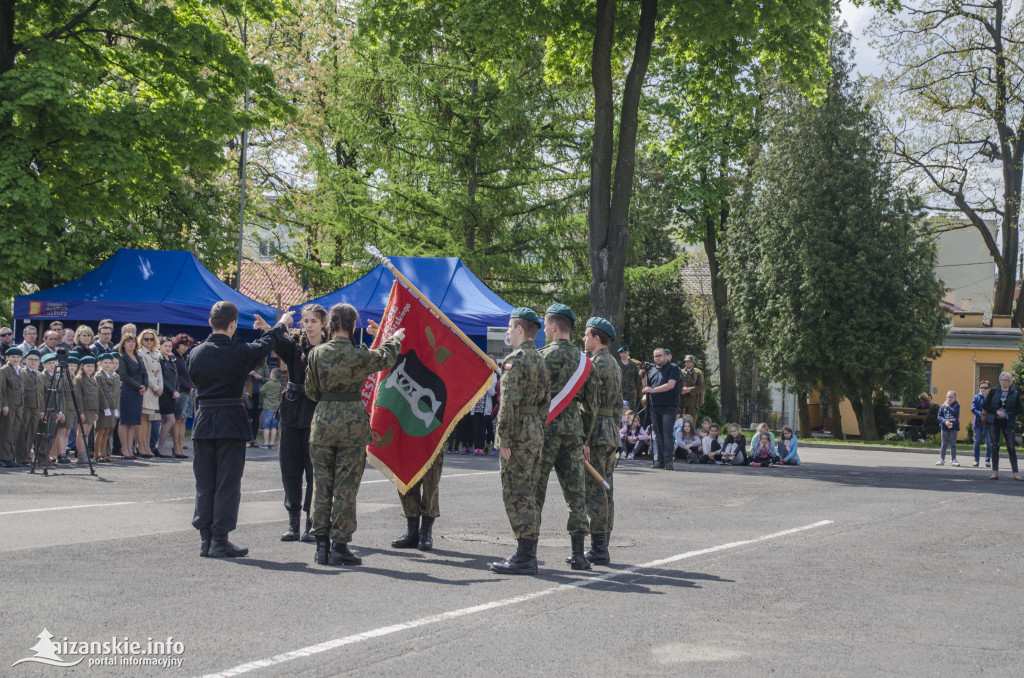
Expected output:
(374, 252)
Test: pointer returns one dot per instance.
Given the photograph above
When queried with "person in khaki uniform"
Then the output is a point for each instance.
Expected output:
(109, 386)
(519, 435)
(34, 388)
(340, 430)
(603, 442)
(87, 391)
(691, 393)
(13, 408)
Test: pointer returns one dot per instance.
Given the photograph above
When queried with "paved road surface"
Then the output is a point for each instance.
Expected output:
(856, 564)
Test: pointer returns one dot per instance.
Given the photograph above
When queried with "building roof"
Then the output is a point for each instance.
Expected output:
(1003, 338)
(272, 283)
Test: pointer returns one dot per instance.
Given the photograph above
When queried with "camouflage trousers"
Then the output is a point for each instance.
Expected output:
(519, 491)
(14, 434)
(422, 498)
(600, 505)
(337, 472)
(565, 454)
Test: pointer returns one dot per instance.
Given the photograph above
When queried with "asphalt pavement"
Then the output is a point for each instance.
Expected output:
(859, 563)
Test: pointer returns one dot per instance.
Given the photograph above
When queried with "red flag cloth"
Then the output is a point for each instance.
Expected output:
(415, 405)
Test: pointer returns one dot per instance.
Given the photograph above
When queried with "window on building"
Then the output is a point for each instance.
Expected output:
(987, 371)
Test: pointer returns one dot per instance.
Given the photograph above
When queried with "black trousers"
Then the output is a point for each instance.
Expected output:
(1005, 427)
(296, 463)
(479, 430)
(661, 435)
(218, 465)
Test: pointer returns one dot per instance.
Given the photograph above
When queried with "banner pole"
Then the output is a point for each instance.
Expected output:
(440, 314)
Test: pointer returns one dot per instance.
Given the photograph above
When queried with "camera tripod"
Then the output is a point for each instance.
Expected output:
(60, 385)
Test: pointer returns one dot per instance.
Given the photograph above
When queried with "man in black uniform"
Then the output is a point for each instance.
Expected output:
(219, 368)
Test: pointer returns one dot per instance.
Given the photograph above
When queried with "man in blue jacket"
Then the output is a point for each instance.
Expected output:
(980, 425)
(1002, 405)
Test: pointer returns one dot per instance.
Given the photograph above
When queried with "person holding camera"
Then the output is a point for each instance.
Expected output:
(663, 399)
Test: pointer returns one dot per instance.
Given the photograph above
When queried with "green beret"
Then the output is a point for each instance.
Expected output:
(49, 357)
(14, 350)
(623, 348)
(106, 356)
(527, 314)
(32, 352)
(72, 360)
(562, 309)
(599, 323)
(87, 360)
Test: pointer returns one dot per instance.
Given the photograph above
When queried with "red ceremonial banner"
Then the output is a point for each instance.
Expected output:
(415, 405)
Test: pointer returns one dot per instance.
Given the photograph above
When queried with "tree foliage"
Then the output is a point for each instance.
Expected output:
(113, 119)
(832, 270)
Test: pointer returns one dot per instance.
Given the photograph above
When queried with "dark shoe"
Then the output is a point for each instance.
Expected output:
(669, 467)
(323, 545)
(158, 453)
(204, 550)
(598, 551)
(426, 541)
(340, 555)
(524, 561)
(306, 537)
(411, 537)
(293, 527)
(578, 561)
(222, 548)
(181, 456)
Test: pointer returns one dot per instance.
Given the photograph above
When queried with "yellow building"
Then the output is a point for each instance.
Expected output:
(970, 353)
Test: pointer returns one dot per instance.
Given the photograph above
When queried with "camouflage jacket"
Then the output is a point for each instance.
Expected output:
(609, 377)
(562, 359)
(524, 383)
(632, 381)
(340, 367)
(10, 384)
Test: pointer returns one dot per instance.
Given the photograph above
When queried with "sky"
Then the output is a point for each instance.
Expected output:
(857, 18)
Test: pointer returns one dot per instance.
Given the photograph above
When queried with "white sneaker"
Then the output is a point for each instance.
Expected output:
(956, 463)
(630, 456)
(940, 462)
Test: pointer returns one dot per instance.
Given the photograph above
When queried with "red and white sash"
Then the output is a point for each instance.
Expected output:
(571, 388)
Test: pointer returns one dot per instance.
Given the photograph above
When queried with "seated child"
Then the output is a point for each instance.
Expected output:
(787, 448)
(711, 446)
(734, 451)
(762, 454)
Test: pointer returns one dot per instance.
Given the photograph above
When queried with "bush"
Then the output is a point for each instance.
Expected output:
(883, 415)
(970, 433)
(930, 427)
(892, 437)
(712, 407)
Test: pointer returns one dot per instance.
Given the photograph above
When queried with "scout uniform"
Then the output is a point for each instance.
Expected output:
(14, 402)
(338, 436)
(87, 391)
(34, 387)
(564, 436)
(109, 387)
(604, 443)
(632, 379)
(693, 379)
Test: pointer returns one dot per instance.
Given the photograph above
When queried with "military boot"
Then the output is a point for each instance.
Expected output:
(207, 537)
(323, 545)
(411, 537)
(293, 527)
(524, 561)
(222, 548)
(340, 555)
(598, 551)
(306, 537)
(577, 560)
(426, 541)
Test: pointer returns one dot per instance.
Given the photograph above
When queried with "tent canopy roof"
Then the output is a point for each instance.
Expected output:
(446, 281)
(143, 286)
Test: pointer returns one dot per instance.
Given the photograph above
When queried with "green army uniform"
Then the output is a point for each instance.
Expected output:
(604, 444)
(691, 402)
(338, 437)
(564, 436)
(34, 390)
(11, 380)
(519, 427)
(110, 400)
(632, 381)
(421, 505)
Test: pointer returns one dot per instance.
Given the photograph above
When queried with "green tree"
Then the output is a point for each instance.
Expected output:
(113, 120)
(658, 314)
(832, 269)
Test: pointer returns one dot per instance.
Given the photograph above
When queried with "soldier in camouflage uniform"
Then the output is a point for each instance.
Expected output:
(519, 434)
(603, 442)
(632, 378)
(340, 430)
(564, 436)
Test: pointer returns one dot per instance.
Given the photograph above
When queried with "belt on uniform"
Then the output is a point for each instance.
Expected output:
(220, 402)
(340, 397)
(606, 412)
(529, 409)
(292, 386)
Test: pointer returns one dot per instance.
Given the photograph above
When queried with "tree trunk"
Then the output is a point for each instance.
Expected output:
(7, 46)
(804, 411)
(868, 427)
(472, 171)
(608, 212)
(719, 297)
(837, 417)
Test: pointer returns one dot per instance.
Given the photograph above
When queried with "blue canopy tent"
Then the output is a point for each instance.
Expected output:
(147, 287)
(446, 281)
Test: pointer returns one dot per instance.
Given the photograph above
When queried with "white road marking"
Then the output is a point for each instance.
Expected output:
(493, 605)
(192, 497)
